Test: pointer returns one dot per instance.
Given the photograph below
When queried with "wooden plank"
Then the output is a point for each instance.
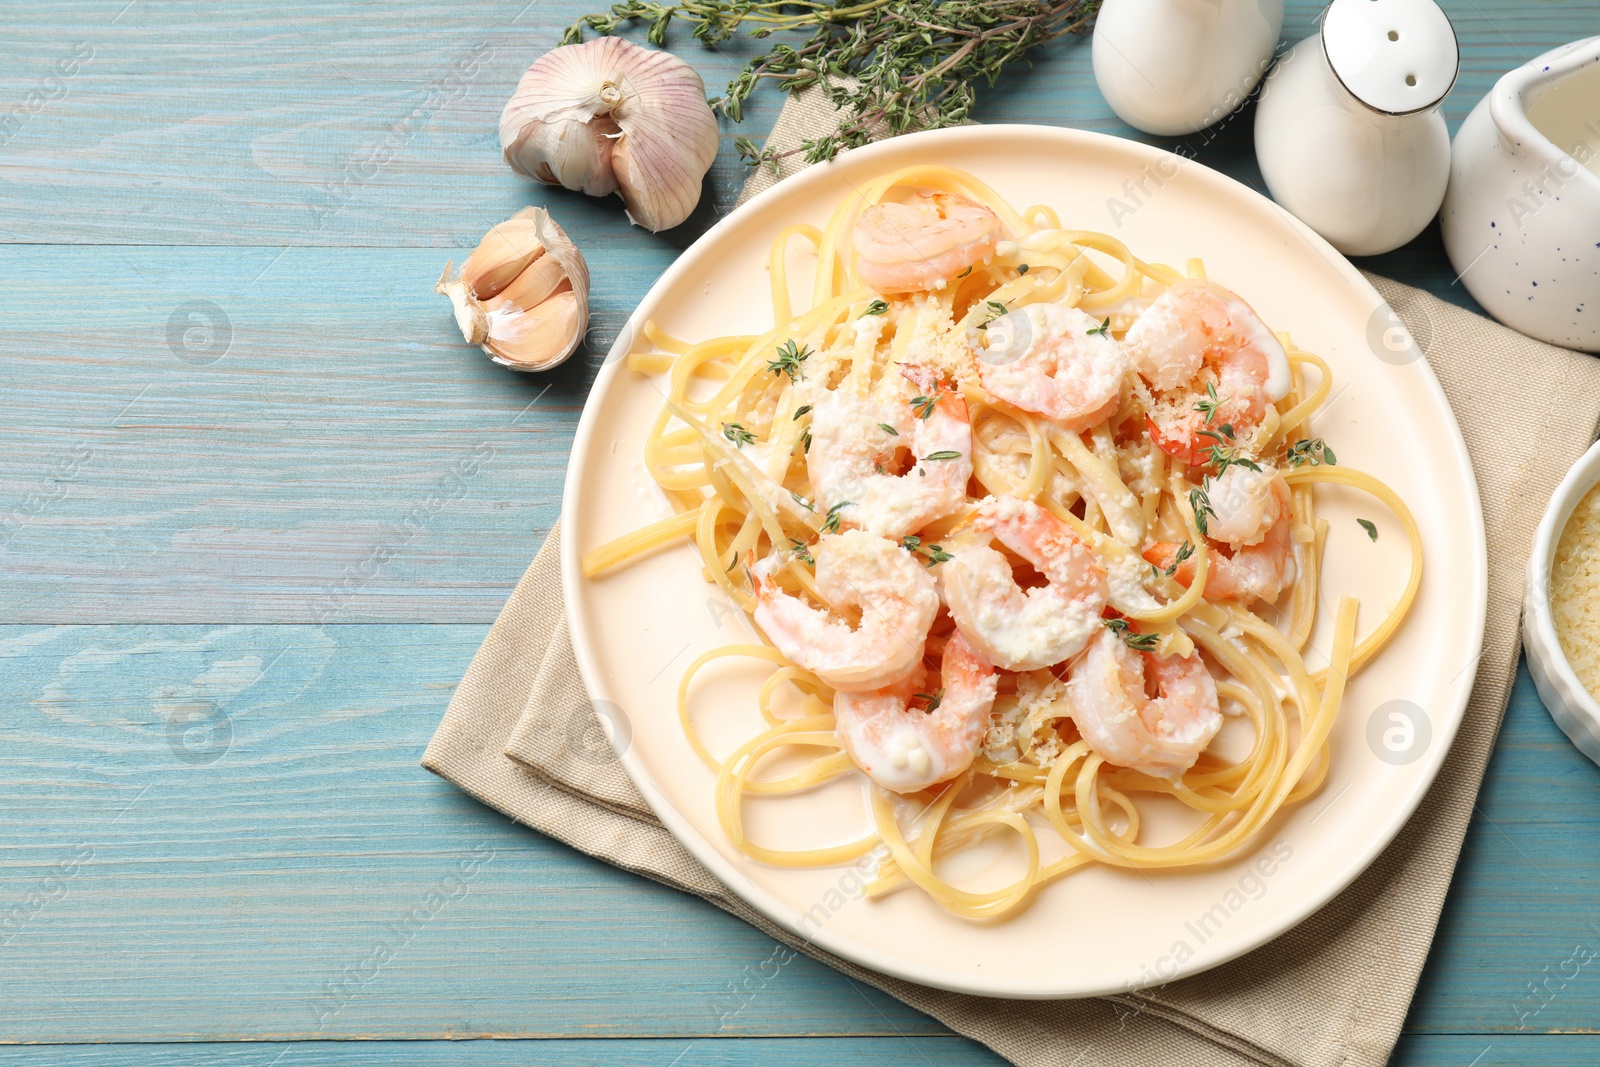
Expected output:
(217, 833)
(1518, 948)
(227, 895)
(1431, 1050)
(1496, 1050)
(142, 481)
(770, 1052)
(1418, 1050)
(320, 446)
(297, 123)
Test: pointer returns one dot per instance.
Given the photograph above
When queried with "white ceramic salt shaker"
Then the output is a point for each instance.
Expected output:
(1348, 130)
(1176, 66)
(1521, 220)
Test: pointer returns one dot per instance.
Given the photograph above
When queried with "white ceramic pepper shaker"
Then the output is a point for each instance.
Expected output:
(1176, 66)
(1348, 130)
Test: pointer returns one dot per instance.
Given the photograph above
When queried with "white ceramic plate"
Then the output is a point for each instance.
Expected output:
(1100, 930)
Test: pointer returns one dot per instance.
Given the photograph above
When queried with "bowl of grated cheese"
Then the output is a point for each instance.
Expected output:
(1561, 606)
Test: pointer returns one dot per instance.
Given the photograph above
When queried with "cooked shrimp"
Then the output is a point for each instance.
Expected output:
(856, 454)
(1017, 629)
(1196, 327)
(893, 592)
(1055, 361)
(906, 748)
(907, 248)
(1161, 735)
(1251, 515)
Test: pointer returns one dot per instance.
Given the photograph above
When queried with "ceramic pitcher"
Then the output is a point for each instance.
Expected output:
(1521, 220)
(1348, 130)
(1176, 66)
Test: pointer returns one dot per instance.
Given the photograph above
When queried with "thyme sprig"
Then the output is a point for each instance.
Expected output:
(899, 65)
(1185, 550)
(1200, 503)
(1208, 407)
(1311, 450)
(1135, 640)
(790, 356)
(934, 553)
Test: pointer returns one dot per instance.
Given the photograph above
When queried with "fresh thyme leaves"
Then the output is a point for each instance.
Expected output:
(801, 550)
(1132, 638)
(802, 501)
(1312, 450)
(1201, 505)
(737, 434)
(831, 523)
(996, 309)
(910, 64)
(877, 307)
(924, 405)
(931, 699)
(1370, 527)
(732, 565)
(964, 273)
(933, 553)
(1022, 268)
(1208, 406)
(1104, 329)
(1185, 550)
(790, 356)
(805, 442)
(946, 454)
(890, 430)
(1223, 457)
(803, 409)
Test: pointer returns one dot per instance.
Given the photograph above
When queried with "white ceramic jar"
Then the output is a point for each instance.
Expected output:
(1348, 131)
(1521, 221)
(1176, 66)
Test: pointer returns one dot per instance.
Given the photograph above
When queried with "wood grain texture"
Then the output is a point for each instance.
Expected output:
(223, 832)
(209, 832)
(1452, 1050)
(674, 1052)
(230, 400)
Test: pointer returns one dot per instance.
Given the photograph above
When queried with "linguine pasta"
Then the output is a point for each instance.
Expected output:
(732, 449)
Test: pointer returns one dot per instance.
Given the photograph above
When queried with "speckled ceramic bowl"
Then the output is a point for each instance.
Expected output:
(1570, 704)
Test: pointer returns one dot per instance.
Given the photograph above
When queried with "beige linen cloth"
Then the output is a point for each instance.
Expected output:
(520, 736)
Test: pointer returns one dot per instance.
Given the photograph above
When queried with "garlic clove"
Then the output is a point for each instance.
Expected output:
(575, 153)
(560, 247)
(505, 251)
(539, 338)
(538, 318)
(533, 286)
(609, 116)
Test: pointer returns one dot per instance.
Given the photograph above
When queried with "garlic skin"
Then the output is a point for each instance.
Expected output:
(523, 294)
(608, 116)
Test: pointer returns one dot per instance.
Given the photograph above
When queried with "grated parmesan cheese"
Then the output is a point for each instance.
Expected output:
(1575, 590)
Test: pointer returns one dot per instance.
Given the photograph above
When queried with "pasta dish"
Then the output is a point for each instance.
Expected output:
(1022, 520)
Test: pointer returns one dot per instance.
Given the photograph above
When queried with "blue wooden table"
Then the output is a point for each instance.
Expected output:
(241, 572)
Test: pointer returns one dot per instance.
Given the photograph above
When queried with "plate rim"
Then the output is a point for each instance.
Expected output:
(780, 913)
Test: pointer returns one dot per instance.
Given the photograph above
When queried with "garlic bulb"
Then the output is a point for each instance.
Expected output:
(523, 294)
(608, 116)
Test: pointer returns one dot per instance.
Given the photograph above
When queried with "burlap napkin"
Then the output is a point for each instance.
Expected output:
(520, 736)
